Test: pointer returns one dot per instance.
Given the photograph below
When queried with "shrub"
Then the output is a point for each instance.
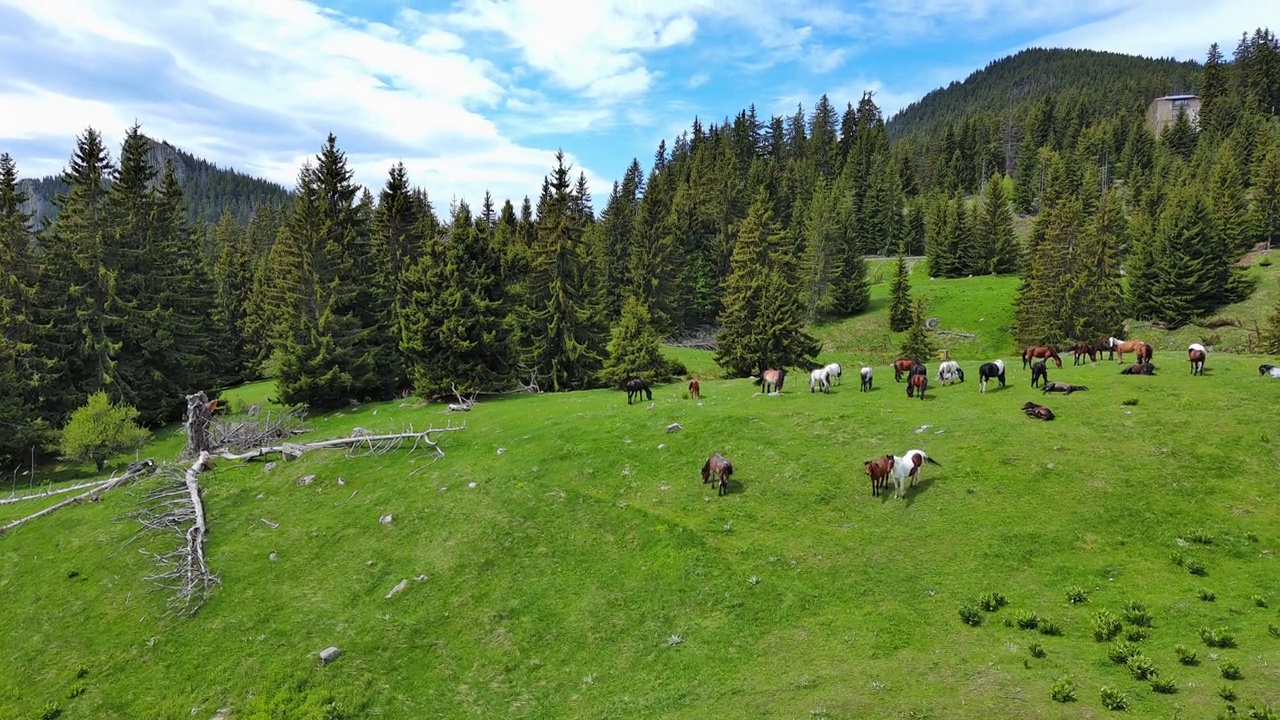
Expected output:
(1227, 692)
(51, 711)
(1274, 630)
(1178, 558)
(82, 672)
(1201, 536)
(971, 615)
(1265, 262)
(1113, 699)
(1186, 655)
(1105, 626)
(1251, 536)
(1064, 691)
(1208, 595)
(1220, 637)
(1028, 620)
(1076, 595)
(1129, 402)
(1049, 627)
(1136, 634)
(1195, 567)
(1263, 712)
(1135, 613)
(1141, 667)
(1164, 686)
(1259, 601)
(99, 430)
(1121, 652)
(1035, 650)
(993, 601)
(76, 690)
(1230, 670)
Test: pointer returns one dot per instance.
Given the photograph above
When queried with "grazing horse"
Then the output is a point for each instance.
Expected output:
(986, 371)
(1064, 388)
(950, 371)
(695, 390)
(1139, 369)
(1039, 373)
(834, 371)
(866, 379)
(904, 365)
(879, 470)
(820, 379)
(772, 378)
(1039, 351)
(917, 381)
(634, 387)
(1142, 349)
(1196, 354)
(1104, 345)
(717, 469)
(1271, 370)
(908, 466)
(1082, 350)
(1039, 412)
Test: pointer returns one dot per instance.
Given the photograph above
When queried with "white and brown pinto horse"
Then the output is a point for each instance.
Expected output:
(1196, 354)
(949, 372)
(1142, 349)
(908, 466)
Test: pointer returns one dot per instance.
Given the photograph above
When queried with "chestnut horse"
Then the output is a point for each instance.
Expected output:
(1082, 350)
(1039, 351)
(695, 390)
(920, 381)
(878, 470)
(717, 469)
(1139, 347)
(905, 365)
(1039, 412)
(1195, 354)
(771, 380)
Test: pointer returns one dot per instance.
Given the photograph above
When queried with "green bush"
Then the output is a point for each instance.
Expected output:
(1121, 652)
(1028, 620)
(1076, 595)
(993, 601)
(1135, 613)
(1220, 638)
(1227, 692)
(1259, 601)
(1035, 650)
(1230, 670)
(1164, 686)
(1064, 691)
(971, 615)
(1208, 595)
(100, 430)
(1136, 634)
(1195, 567)
(1105, 626)
(1113, 699)
(1049, 627)
(1141, 667)
(1186, 655)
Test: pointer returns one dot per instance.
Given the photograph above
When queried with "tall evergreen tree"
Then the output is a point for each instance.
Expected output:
(900, 296)
(1096, 296)
(22, 369)
(918, 342)
(762, 320)
(635, 349)
(1266, 194)
(398, 242)
(996, 226)
(1041, 313)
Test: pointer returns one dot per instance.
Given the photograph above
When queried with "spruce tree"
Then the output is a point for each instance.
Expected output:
(821, 265)
(900, 296)
(1096, 292)
(1269, 337)
(396, 244)
(23, 370)
(1043, 314)
(762, 320)
(1266, 193)
(918, 342)
(655, 260)
(635, 349)
(996, 223)
(233, 273)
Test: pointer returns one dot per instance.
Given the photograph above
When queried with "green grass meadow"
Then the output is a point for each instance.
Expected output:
(564, 559)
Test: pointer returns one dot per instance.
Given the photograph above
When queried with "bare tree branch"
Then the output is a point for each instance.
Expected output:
(373, 444)
(135, 470)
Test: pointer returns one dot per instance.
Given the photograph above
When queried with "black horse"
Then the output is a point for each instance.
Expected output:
(1139, 369)
(634, 387)
(989, 371)
(1039, 373)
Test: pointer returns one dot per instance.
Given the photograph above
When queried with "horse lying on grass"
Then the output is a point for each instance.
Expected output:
(1139, 369)
(1039, 412)
(1064, 388)
(1271, 370)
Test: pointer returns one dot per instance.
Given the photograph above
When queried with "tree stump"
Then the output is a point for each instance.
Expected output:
(198, 418)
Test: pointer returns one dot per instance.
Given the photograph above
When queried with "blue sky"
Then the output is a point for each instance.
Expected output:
(477, 95)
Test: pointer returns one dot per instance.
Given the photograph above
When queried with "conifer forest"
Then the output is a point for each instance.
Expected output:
(137, 280)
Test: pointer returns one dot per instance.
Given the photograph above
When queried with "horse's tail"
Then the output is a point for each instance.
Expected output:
(931, 461)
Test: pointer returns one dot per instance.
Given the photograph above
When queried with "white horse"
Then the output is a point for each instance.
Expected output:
(1270, 370)
(866, 379)
(908, 466)
(950, 371)
(820, 379)
(834, 371)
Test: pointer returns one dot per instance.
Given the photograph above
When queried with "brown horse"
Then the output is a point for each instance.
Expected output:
(1139, 369)
(1196, 354)
(1038, 412)
(1064, 388)
(878, 470)
(904, 365)
(1082, 350)
(1138, 347)
(717, 469)
(1039, 351)
(771, 380)
(695, 390)
(920, 381)
(1039, 373)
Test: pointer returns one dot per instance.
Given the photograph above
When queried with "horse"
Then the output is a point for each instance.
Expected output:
(1142, 349)
(634, 387)
(917, 381)
(820, 379)
(1196, 354)
(986, 371)
(866, 379)
(772, 378)
(1039, 351)
(1271, 370)
(1064, 388)
(908, 466)
(695, 390)
(834, 371)
(1039, 373)
(717, 469)
(904, 365)
(1082, 350)
(1104, 345)
(879, 470)
(949, 371)
(1038, 412)
(1139, 369)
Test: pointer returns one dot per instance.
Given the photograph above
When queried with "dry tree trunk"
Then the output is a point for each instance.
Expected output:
(51, 493)
(177, 507)
(198, 418)
(133, 472)
(376, 444)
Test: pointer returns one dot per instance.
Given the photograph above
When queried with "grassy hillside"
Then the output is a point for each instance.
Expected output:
(573, 565)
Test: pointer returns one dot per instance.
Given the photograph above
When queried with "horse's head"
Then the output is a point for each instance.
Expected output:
(706, 471)
(1264, 369)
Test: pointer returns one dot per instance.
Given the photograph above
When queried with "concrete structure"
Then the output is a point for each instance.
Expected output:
(1164, 110)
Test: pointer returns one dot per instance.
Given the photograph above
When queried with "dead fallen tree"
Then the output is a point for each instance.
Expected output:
(175, 506)
(51, 493)
(371, 444)
(135, 471)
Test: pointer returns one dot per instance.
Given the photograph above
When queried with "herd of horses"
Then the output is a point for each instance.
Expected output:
(904, 470)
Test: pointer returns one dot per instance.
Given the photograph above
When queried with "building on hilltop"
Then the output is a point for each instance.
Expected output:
(1164, 110)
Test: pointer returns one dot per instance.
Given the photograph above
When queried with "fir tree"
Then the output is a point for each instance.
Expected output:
(995, 224)
(1269, 337)
(1266, 193)
(635, 349)
(762, 320)
(823, 241)
(397, 244)
(1043, 314)
(22, 369)
(918, 342)
(900, 296)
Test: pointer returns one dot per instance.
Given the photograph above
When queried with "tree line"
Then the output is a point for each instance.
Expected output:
(752, 228)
